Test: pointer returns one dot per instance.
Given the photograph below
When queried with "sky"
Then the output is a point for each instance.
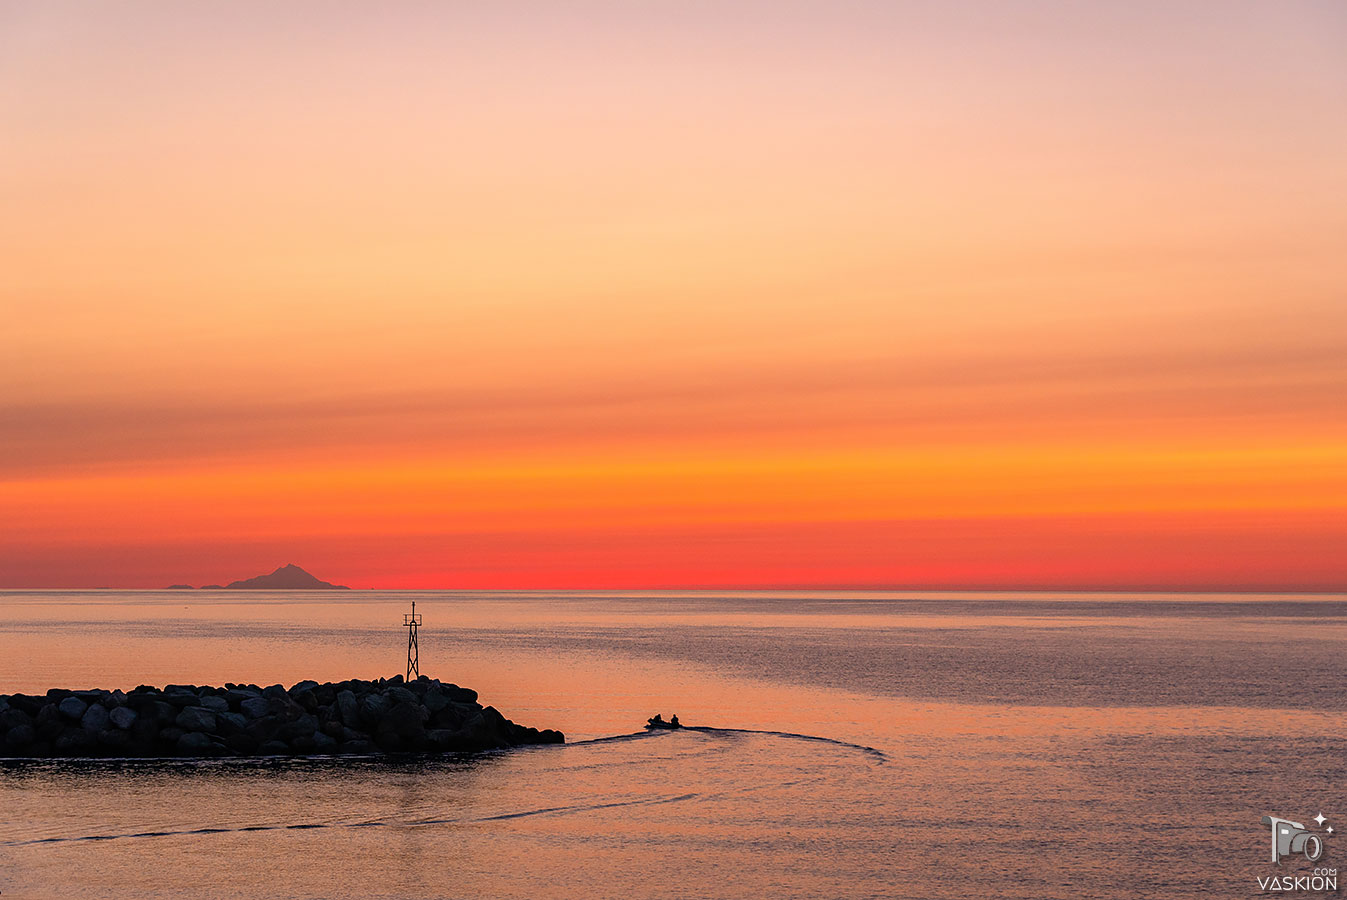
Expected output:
(621, 295)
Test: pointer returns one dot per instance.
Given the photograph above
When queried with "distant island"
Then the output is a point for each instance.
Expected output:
(287, 578)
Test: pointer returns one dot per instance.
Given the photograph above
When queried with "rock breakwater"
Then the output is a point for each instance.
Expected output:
(347, 717)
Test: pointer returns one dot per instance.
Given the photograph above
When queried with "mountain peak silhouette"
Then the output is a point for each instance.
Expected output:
(289, 577)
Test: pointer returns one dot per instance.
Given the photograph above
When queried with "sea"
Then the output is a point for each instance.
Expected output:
(842, 745)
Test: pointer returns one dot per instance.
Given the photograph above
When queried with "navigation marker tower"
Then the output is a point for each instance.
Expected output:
(412, 621)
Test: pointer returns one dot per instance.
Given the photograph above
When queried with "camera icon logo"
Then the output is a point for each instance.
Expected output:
(1290, 838)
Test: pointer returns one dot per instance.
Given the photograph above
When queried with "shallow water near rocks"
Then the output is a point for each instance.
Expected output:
(855, 745)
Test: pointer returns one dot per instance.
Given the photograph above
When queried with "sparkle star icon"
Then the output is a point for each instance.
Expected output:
(1321, 818)
(1329, 829)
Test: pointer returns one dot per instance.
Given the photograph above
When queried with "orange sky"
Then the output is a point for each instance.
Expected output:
(1037, 294)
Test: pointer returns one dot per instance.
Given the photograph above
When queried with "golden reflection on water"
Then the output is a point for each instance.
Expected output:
(958, 797)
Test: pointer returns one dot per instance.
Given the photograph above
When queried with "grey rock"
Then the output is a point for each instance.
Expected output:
(406, 719)
(196, 743)
(402, 695)
(20, 736)
(306, 699)
(304, 726)
(460, 694)
(194, 718)
(214, 704)
(49, 722)
(123, 717)
(256, 707)
(323, 743)
(73, 741)
(72, 708)
(285, 707)
(477, 734)
(159, 711)
(236, 696)
(95, 719)
(443, 739)
(374, 707)
(12, 718)
(348, 707)
(229, 722)
(274, 748)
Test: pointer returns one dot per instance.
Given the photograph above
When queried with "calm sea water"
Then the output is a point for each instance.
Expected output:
(854, 745)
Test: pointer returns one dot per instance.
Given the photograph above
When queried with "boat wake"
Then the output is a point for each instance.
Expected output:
(729, 736)
(874, 753)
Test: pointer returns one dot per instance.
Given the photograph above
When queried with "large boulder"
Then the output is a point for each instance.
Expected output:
(405, 719)
(443, 739)
(255, 707)
(95, 718)
(14, 717)
(323, 743)
(373, 708)
(195, 743)
(264, 729)
(72, 708)
(20, 737)
(435, 699)
(195, 718)
(49, 722)
(402, 695)
(159, 711)
(230, 722)
(123, 717)
(303, 727)
(181, 698)
(73, 741)
(214, 703)
(459, 694)
(235, 697)
(304, 696)
(348, 708)
(477, 734)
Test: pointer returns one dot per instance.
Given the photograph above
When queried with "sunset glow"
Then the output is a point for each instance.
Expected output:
(648, 295)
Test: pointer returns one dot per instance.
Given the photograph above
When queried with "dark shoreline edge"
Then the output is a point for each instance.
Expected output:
(353, 717)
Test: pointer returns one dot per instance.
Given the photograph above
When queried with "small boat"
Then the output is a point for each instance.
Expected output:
(657, 721)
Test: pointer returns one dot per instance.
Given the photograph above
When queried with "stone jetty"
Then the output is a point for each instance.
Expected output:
(347, 717)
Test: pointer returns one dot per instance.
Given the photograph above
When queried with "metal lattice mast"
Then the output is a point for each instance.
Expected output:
(412, 622)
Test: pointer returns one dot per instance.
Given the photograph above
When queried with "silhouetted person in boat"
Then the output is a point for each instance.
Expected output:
(673, 722)
(657, 721)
